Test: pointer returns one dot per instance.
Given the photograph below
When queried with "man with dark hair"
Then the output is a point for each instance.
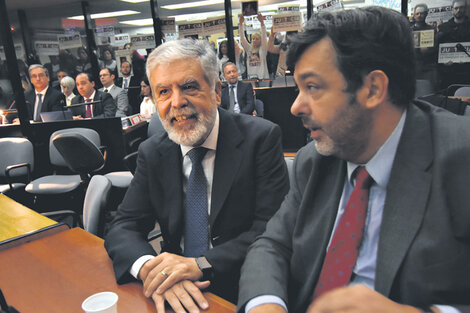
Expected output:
(119, 95)
(376, 219)
(456, 30)
(103, 104)
(131, 84)
(42, 98)
(211, 181)
(236, 96)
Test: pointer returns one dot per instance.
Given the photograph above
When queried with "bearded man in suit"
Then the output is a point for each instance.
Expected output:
(377, 218)
(241, 181)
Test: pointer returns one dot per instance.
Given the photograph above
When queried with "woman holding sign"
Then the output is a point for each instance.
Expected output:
(256, 51)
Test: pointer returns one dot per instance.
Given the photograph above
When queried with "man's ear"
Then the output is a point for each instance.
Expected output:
(218, 92)
(374, 90)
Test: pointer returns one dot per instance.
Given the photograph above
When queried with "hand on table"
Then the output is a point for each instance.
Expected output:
(185, 296)
(165, 270)
(357, 299)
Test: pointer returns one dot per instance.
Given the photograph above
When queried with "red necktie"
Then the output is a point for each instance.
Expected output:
(88, 109)
(344, 247)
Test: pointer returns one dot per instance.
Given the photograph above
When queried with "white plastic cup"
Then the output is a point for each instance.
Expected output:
(103, 302)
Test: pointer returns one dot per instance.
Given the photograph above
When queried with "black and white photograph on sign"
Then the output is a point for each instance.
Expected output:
(455, 52)
(424, 38)
(439, 11)
(249, 8)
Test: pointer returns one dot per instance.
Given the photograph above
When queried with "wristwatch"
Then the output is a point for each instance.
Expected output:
(205, 267)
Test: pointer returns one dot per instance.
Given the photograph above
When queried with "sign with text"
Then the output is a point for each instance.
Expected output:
(448, 52)
(287, 22)
(329, 5)
(214, 26)
(143, 41)
(46, 47)
(443, 14)
(288, 8)
(252, 24)
(168, 25)
(424, 38)
(190, 29)
(69, 41)
(119, 40)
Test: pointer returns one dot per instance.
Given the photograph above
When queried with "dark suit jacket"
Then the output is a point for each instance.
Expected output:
(250, 181)
(53, 101)
(107, 107)
(245, 97)
(133, 93)
(424, 245)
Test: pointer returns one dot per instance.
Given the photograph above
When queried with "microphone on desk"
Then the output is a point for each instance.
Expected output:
(82, 104)
(461, 48)
(4, 307)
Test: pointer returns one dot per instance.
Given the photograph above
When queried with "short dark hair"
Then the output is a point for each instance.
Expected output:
(130, 64)
(109, 71)
(422, 5)
(365, 39)
(90, 77)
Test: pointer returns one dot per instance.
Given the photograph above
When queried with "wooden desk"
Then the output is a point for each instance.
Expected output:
(56, 273)
(17, 220)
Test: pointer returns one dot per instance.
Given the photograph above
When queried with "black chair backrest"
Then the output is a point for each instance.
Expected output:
(81, 155)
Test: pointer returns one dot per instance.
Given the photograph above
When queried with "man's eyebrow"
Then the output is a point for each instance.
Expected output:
(189, 81)
(308, 75)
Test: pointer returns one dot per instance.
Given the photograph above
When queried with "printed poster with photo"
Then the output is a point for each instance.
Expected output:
(249, 7)
(168, 25)
(46, 47)
(439, 10)
(252, 25)
(119, 40)
(214, 26)
(448, 52)
(287, 22)
(69, 41)
(424, 38)
(190, 29)
(143, 41)
(121, 56)
(288, 8)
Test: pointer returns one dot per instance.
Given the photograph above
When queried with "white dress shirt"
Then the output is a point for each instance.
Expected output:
(208, 165)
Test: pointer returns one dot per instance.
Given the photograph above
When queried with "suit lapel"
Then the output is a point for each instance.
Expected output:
(407, 194)
(227, 162)
(169, 174)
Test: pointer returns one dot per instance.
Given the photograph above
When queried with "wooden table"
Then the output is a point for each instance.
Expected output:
(56, 273)
(17, 220)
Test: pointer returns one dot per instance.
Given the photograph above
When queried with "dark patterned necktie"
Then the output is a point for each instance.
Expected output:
(88, 113)
(232, 99)
(196, 235)
(344, 247)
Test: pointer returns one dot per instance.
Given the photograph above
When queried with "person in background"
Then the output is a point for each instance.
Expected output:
(108, 60)
(147, 107)
(67, 84)
(242, 93)
(104, 105)
(131, 84)
(83, 64)
(42, 98)
(222, 57)
(256, 51)
(280, 49)
(60, 75)
(376, 219)
(119, 95)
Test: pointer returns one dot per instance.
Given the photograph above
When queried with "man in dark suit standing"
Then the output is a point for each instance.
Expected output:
(103, 105)
(211, 181)
(42, 98)
(377, 218)
(244, 101)
(131, 84)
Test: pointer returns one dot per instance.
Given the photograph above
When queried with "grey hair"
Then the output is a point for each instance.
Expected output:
(186, 49)
(33, 66)
(68, 82)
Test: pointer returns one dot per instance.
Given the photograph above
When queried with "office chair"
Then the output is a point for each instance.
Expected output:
(16, 163)
(81, 161)
(462, 92)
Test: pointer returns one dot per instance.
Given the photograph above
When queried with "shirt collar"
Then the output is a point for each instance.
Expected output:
(92, 97)
(380, 166)
(42, 92)
(109, 88)
(211, 140)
